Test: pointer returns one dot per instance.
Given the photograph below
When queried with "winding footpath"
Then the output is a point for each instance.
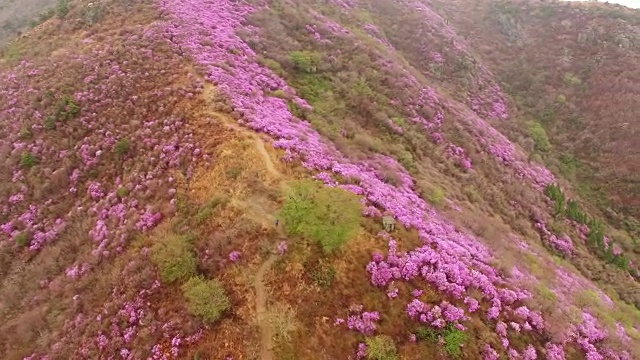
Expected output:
(266, 332)
(262, 315)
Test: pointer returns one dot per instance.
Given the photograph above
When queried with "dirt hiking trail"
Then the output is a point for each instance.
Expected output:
(266, 332)
(262, 314)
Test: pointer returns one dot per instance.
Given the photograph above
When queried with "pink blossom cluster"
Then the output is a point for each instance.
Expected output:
(570, 284)
(17, 198)
(437, 57)
(488, 353)
(562, 244)
(312, 29)
(364, 323)
(437, 316)
(345, 4)
(332, 27)
(234, 256)
(77, 270)
(282, 247)
(148, 220)
(361, 353)
(395, 127)
(375, 33)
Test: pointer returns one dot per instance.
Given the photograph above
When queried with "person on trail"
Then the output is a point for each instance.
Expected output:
(277, 222)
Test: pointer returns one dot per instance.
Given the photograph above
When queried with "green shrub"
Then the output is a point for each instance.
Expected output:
(62, 9)
(206, 299)
(122, 192)
(363, 89)
(46, 15)
(453, 340)
(122, 147)
(571, 79)
(437, 197)
(203, 215)
(304, 60)
(92, 13)
(323, 275)
(406, 159)
(26, 133)
(539, 136)
(561, 99)
(574, 212)
(381, 347)
(554, 193)
(569, 164)
(425, 333)
(13, 51)
(280, 94)
(206, 211)
(50, 123)
(273, 65)
(28, 160)
(23, 239)
(327, 215)
(175, 258)
(547, 115)
(66, 108)
(620, 261)
(547, 293)
(233, 172)
(312, 87)
(296, 110)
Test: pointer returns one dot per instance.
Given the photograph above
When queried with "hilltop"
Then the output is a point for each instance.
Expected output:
(207, 179)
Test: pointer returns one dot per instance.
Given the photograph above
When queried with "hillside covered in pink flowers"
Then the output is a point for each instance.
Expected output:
(211, 179)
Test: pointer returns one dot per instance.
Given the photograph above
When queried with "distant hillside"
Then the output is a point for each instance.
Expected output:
(17, 16)
(573, 69)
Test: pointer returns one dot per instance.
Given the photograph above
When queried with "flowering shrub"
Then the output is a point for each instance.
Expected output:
(562, 244)
(359, 320)
(282, 247)
(488, 353)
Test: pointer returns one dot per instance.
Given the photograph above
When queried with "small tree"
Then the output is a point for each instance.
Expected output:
(28, 160)
(330, 216)
(175, 257)
(23, 239)
(539, 136)
(437, 197)
(122, 147)
(453, 340)
(62, 9)
(304, 60)
(206, 299)
(381, 347)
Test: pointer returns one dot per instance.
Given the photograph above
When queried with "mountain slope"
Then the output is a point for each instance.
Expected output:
(572, 67)
(143, 211)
